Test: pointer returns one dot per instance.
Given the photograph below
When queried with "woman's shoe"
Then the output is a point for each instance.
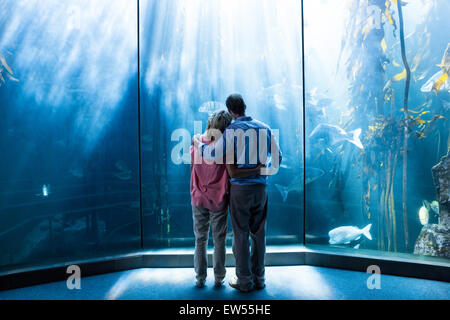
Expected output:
(200, 283)
(259, 285)
(234, 283)
(218, 283)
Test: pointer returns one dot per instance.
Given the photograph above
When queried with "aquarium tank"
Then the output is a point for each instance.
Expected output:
(100, 101)
(377, 110)
(193, 55)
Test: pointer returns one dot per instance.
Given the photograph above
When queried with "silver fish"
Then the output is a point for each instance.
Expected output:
(424, 215)
(320, 101)
(122, 165)
(432, 206)
(428, 86)
(279, 94)
(312, 174)
(333, 135)
(347, 234)
(211, 106)
(45, 191)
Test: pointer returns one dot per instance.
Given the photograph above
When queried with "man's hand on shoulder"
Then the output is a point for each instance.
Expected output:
(196, 140)
(262, 169)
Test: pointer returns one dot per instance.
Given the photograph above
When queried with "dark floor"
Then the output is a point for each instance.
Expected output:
(284, 283)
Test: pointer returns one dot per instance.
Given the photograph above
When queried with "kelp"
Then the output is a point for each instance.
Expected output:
(382, 142)
(365, 67)
(405, 123)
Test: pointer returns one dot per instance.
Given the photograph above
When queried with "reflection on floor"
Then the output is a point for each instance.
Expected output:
(283, 283)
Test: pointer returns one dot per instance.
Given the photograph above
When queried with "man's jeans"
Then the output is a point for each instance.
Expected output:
(248, 206)
(219, 224)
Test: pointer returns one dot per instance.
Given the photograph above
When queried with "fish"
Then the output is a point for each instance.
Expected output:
(126, 175)
(45, 191)
(312, 92)
(323, 102)
(422, 75)
(445, 63)
(425, 209)
(430, 84)
(10, 77)
(312, 174)
(124, 172)
(387, 85)
(431, 206)
(5, 64)
(424, 215)
(121, 165)
(76, 172)
(5, 70)
(315, 112)
(446, 105)
(318, 99)
(279, 94)
(440, 80)
(334, 135)
(147, 143)
(347, 234)
(211, 106)
(280, 102)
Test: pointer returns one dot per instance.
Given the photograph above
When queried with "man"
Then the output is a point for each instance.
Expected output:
(247, 143)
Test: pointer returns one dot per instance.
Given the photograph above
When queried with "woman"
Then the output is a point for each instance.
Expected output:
(209, 199)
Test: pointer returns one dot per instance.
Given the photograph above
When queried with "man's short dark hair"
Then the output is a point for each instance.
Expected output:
(236, 103)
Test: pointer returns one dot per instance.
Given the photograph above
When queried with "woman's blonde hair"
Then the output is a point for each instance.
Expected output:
(218, 121)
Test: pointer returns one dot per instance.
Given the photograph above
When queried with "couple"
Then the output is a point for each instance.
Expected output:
(230, 164)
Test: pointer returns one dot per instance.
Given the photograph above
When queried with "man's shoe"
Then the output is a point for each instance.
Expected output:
(260, 285)
(200, 283)
(218, 283)
(234, 283)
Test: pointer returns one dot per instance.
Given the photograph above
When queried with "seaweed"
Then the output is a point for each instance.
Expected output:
(405, 124)
(365, 67)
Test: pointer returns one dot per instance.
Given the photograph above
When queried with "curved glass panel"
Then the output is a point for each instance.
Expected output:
(69, 139)
(195, 52)
(369, 197)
